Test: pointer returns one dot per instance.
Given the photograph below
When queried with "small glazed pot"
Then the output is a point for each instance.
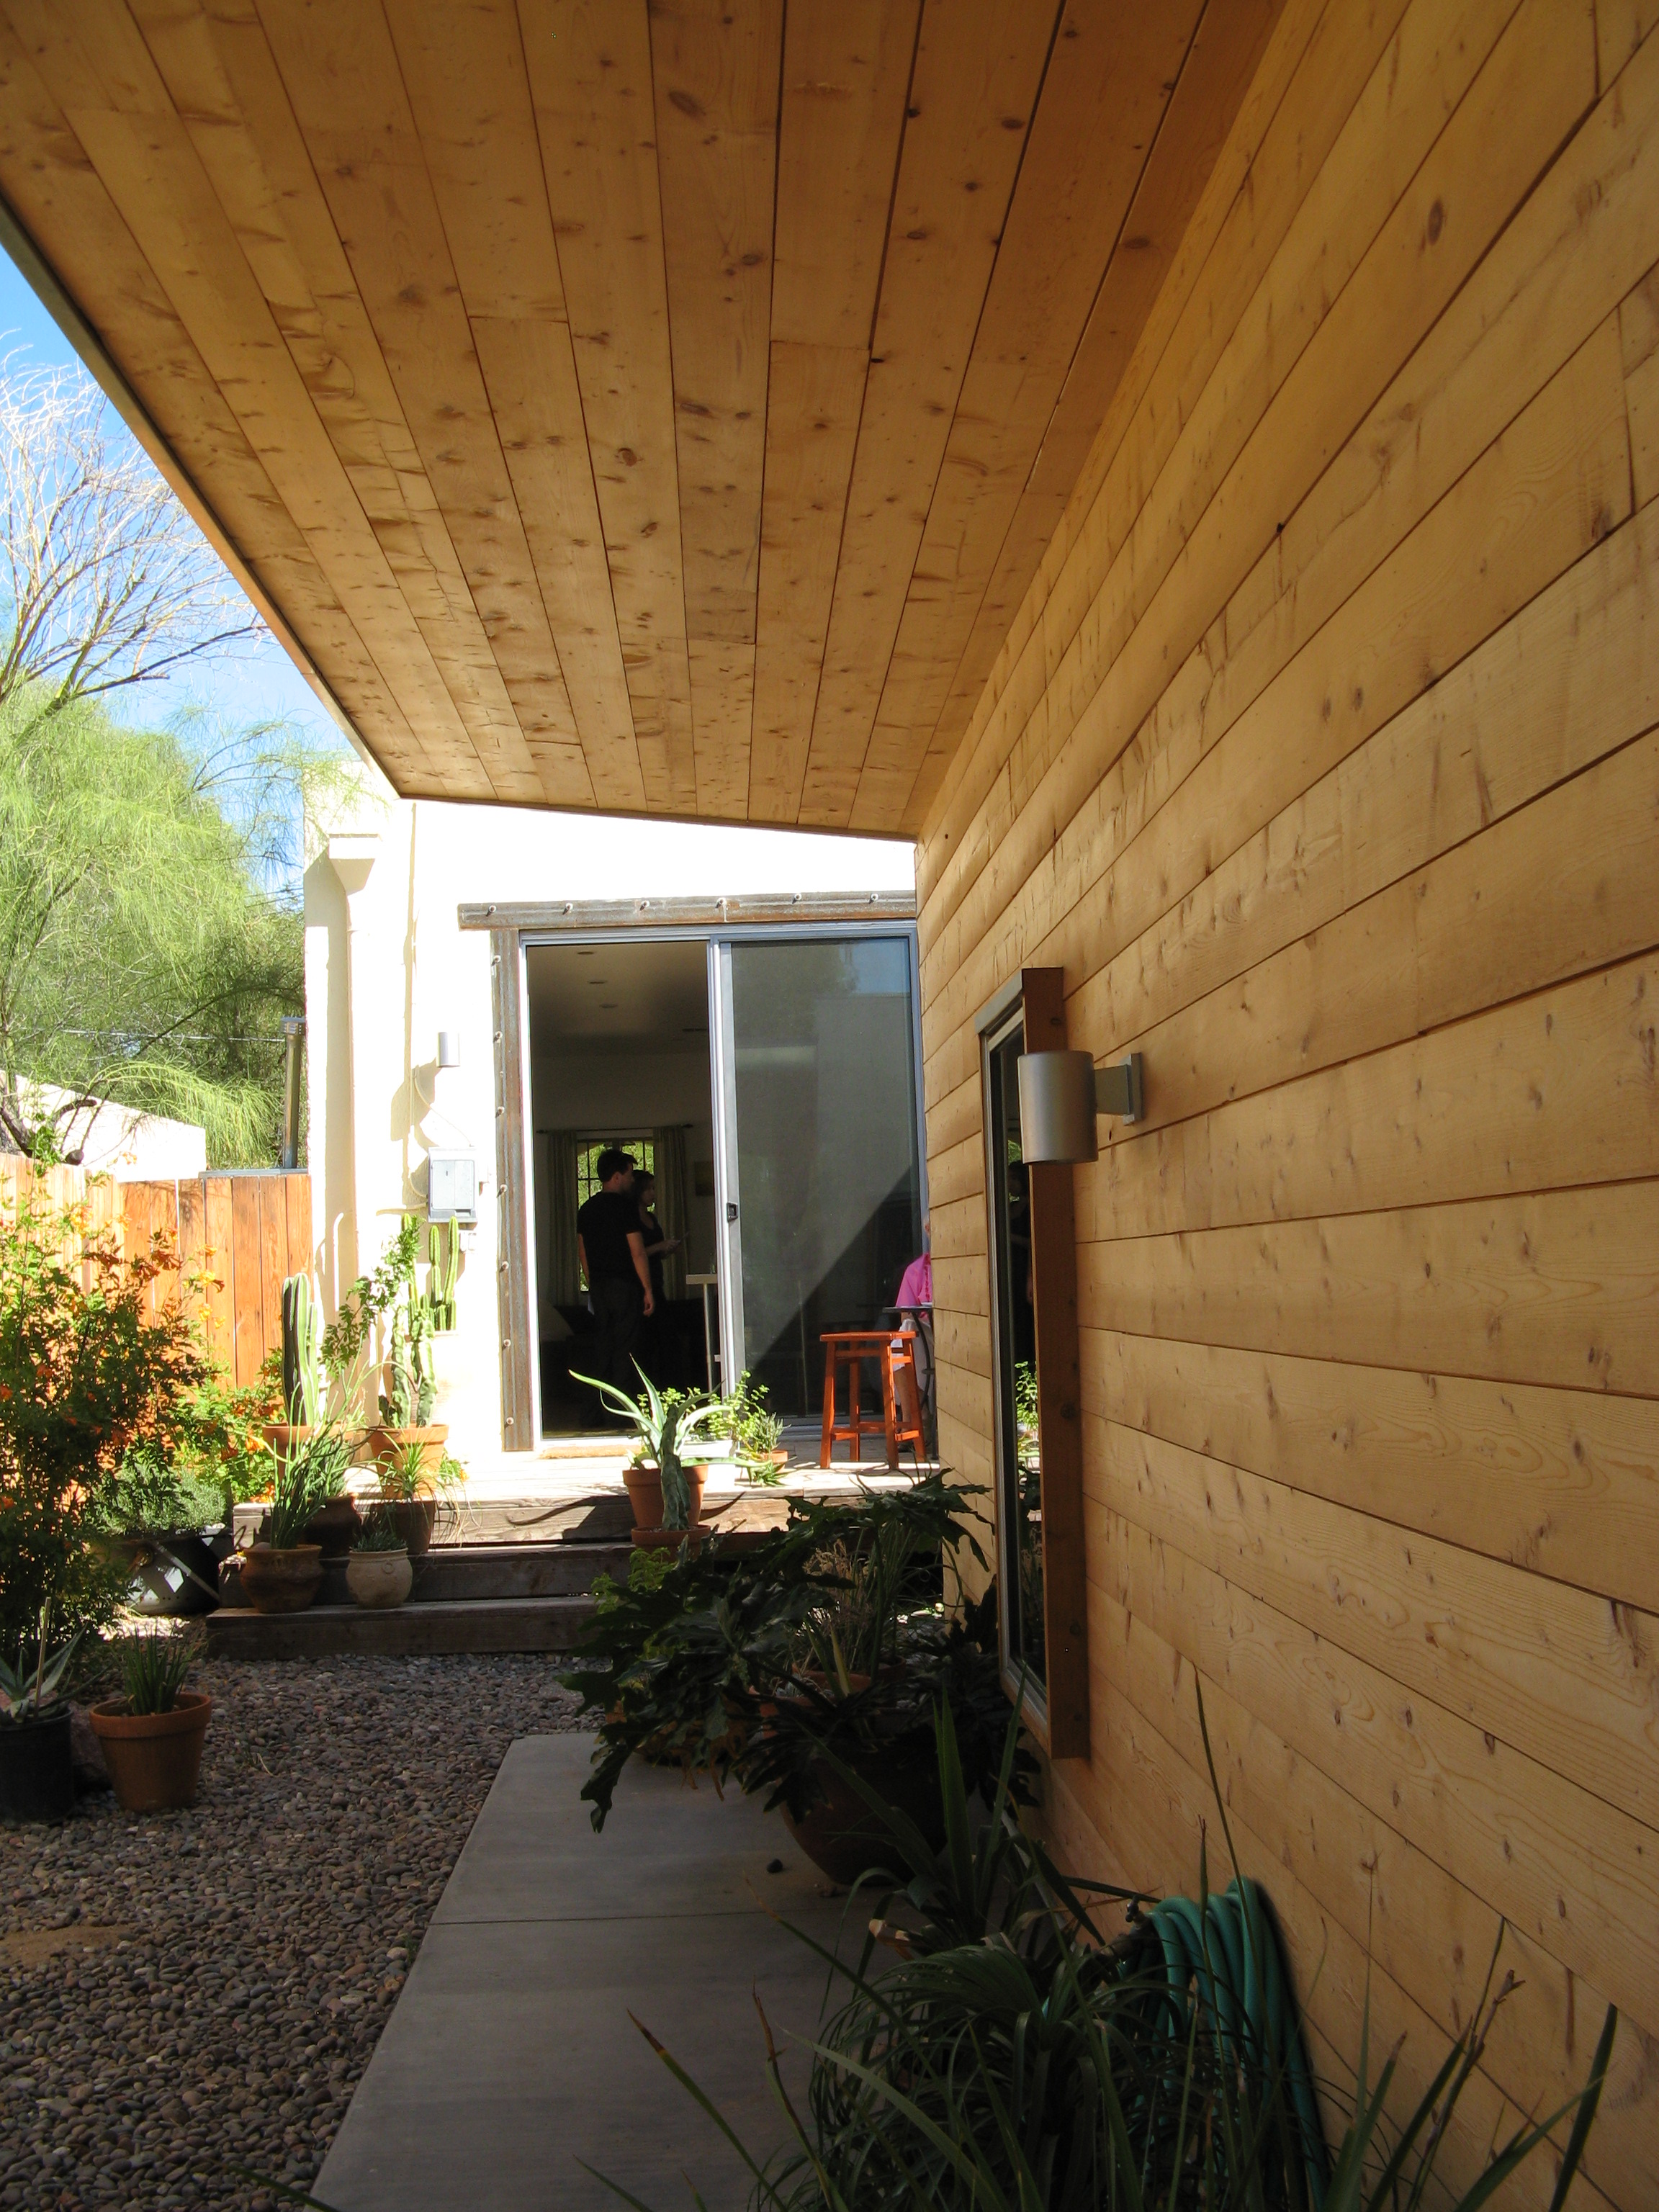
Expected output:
(414, 1519)
(380, 1578)
(334, 1528)
(36, 1769)
(282, 1582)
(154, 1758)
(645, 1496)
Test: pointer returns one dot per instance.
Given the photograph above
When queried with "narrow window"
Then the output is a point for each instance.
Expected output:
(1037, 1415)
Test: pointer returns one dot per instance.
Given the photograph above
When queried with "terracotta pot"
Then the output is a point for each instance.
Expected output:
(36, 1769)
(385, 1447)
(380, 1578)
(282, 1582)
(335, 1527)
(841, 1834)
(282, 1435)
(645, 1496)
(414, 1519)
(154, 1758)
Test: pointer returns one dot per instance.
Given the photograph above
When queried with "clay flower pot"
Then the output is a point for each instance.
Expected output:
(389, 1447)
(839, 1831)
(334, 1528)
(645, 1496)
(414, 1519)
(282, 1582)
(154, 1758)
(380, 1578)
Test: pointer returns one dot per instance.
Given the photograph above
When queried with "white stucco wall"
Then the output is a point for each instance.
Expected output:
(387, 967)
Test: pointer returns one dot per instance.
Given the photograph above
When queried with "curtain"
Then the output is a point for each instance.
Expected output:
(566, 1276)
(668, 1147)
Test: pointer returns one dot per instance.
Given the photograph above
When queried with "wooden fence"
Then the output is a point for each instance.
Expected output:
(236, 1235)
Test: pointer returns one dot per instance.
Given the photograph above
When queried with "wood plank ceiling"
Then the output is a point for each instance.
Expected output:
(658, 408)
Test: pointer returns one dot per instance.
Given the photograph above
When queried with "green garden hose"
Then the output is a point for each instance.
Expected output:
(1231, 1954)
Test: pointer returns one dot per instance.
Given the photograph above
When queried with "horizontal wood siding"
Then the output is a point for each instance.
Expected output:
(1322, 756)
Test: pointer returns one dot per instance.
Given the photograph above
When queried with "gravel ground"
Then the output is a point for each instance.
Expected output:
(219, 1977)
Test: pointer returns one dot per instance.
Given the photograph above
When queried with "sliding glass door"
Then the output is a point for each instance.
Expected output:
(819, 1173)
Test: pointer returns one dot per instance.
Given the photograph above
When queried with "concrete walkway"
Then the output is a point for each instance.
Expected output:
(510, 2055)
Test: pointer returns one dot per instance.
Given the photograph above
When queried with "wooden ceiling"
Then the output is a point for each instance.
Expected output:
(660, 408)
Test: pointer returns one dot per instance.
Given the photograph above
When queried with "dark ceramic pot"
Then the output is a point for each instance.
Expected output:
(841, 1835)
(37, 1770)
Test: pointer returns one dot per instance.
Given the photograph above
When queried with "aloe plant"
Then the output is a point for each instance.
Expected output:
(667, 1423)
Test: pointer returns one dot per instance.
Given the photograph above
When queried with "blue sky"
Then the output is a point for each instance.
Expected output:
(259, 684)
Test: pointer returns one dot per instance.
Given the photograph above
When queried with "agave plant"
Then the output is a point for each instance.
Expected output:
(672, 1430)
(32, 1694)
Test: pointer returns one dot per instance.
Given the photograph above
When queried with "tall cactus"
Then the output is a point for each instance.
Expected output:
(444, 1254)
(302, 1352)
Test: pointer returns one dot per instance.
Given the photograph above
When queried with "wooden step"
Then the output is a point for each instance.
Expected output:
(494, 1624)
(454, 1572)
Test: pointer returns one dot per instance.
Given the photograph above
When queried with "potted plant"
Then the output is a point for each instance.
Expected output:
(304, 1379)
(378, 1571)
(37, 1770)
(821, 1643)
(755, 1432)
(90, 1374)
(676, 1440)
(410, 1489)
(405, 1402)
(151, 1734)
(282, 1569)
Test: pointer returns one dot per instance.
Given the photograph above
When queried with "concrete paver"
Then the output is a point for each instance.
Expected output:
(510, 2057)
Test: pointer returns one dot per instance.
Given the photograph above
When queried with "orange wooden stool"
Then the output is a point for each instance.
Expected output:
(893, 1350)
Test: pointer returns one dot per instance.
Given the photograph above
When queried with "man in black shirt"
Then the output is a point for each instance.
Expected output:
(611, 1250)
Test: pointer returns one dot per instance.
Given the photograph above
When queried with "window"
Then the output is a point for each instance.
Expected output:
(587, 1160)
(1037, 1425)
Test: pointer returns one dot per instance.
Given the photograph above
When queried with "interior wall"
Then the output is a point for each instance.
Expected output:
(1322, 758)
(606, 1092)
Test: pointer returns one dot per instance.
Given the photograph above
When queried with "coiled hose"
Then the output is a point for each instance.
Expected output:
(1231, 1954)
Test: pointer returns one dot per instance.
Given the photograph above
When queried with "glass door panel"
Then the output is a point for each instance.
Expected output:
(1020, 1458)
(822, 1177)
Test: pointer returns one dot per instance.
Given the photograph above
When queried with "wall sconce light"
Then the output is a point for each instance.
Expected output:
(449, 1048)
(1061, 1094)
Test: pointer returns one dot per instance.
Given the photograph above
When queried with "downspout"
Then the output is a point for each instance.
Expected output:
(352, 857)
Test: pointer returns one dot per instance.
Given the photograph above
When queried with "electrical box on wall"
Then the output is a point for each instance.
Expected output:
(451, 1187)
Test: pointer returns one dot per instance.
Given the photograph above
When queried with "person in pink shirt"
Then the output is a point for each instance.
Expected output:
(915, 1289)
(914, 1303)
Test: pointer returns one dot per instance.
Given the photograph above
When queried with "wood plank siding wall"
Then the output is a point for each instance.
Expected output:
(1322, 756)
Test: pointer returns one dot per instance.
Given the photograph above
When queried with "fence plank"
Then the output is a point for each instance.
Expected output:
(222, 1261)
(247, 1324)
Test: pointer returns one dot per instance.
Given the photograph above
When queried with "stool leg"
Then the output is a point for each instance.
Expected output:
(856, 1400)
(829, 1445)
(889, 1411)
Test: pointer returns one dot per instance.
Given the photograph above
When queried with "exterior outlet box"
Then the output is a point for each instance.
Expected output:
(451, 1187)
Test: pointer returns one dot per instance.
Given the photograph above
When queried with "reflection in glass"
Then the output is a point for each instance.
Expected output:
(829, 1180)
(1020, 1460)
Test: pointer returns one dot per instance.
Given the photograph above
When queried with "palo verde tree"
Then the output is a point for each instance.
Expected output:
(150, 938)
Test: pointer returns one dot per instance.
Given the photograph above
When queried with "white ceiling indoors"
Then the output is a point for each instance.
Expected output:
(623, 997)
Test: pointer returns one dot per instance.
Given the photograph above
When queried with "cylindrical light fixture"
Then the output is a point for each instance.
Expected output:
(1061, 1093)
(449, 1048)
(1057, 1106)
